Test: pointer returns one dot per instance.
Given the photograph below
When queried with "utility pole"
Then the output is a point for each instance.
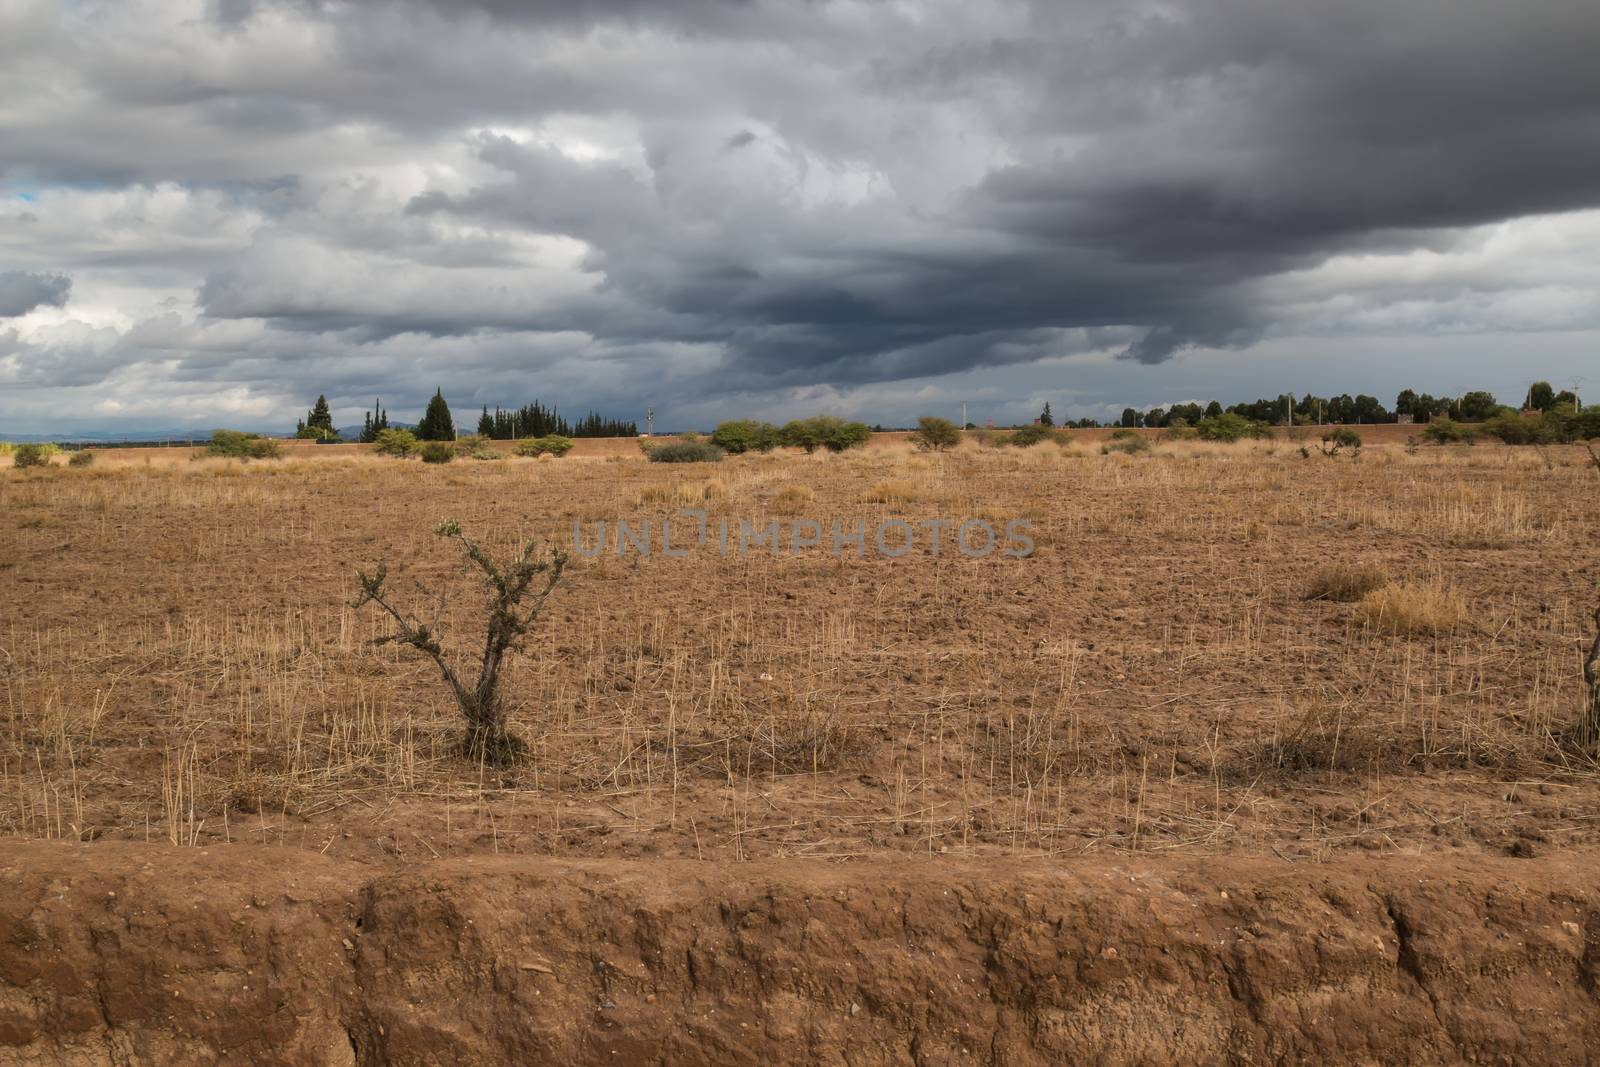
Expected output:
(649, 422)
(963, 416)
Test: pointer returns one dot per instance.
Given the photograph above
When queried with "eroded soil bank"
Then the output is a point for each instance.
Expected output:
(117, 953)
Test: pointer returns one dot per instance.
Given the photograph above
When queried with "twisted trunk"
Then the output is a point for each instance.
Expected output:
(1589, 725)
(1588, 733)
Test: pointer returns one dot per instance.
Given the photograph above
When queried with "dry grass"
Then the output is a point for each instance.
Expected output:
(792, 499)
(1413, 608)
(1345, 583)
(182, 665)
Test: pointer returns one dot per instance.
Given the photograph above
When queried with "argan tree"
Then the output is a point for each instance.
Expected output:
(513, 607)
(934, 434)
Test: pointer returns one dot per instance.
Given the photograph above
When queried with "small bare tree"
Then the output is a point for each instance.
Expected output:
(1589, 725)
(487, 738)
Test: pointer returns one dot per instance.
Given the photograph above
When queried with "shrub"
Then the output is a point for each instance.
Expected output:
(791, 499)
(81, 458)
(1430, 608)
(1339, 438)
(400, 443)
(935, 434)
(685, 452)
(1028, 436)
(549, 445)
(475, 446)
(437, 452)
(1445, 431)
(1516, 429)
(236, 444)
(1130, 445)
(745, 435)
(6, 448)
(1178, 430)
(487, 738)
(30, 456)
(824, 431)
(1345, 583)
(1231, 427)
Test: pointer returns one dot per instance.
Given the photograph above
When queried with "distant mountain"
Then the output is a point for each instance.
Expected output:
(346, 433)
(110, 436)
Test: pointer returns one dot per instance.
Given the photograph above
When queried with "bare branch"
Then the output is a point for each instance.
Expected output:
(487, 736)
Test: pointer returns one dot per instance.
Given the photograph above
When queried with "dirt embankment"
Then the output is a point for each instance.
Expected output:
(130, 954)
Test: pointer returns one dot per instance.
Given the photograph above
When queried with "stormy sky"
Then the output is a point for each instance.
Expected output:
(213, 210)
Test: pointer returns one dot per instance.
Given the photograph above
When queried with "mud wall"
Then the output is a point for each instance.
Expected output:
(136, 954)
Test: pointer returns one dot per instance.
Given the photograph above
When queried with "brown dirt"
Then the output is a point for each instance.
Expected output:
(128, 954)
(1012, 765)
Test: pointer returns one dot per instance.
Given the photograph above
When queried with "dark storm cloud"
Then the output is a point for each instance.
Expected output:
(22, 291)
(756, 196)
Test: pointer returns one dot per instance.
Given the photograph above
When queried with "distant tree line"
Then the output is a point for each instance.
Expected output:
(437, 424)
(536, 420)
(1344, 409)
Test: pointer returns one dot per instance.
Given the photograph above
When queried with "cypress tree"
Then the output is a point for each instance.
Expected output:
(319, 419)
(376, 420)
(486, 422)
(436, 424)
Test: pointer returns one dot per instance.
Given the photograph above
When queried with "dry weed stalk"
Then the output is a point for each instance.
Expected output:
(487, 738)
(1589, 725)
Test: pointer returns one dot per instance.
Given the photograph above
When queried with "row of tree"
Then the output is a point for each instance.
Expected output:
(437, 423)
(535, 420)
(1343, 410)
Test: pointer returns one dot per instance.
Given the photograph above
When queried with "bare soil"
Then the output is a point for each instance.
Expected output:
(132, 954)
(995, 762)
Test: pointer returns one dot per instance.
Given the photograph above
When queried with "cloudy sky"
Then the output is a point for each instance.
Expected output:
(213, 210)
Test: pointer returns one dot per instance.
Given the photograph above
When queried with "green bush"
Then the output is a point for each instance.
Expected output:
(437, 452)
(745, 435)
(824, 431)
(1028, 436)
(475, 446)
(30, 456)
(1178, 430)
(1127, 443)
(81, 458)
(236, 444)
(400, 443)
(6, 448)
(1445, 431)
(1231, 427)
(549, 445)
(934, 434)
(686, 452)
(1340, 438)
(1517, 429)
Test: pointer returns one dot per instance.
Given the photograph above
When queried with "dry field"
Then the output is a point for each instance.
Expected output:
(179, 661)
